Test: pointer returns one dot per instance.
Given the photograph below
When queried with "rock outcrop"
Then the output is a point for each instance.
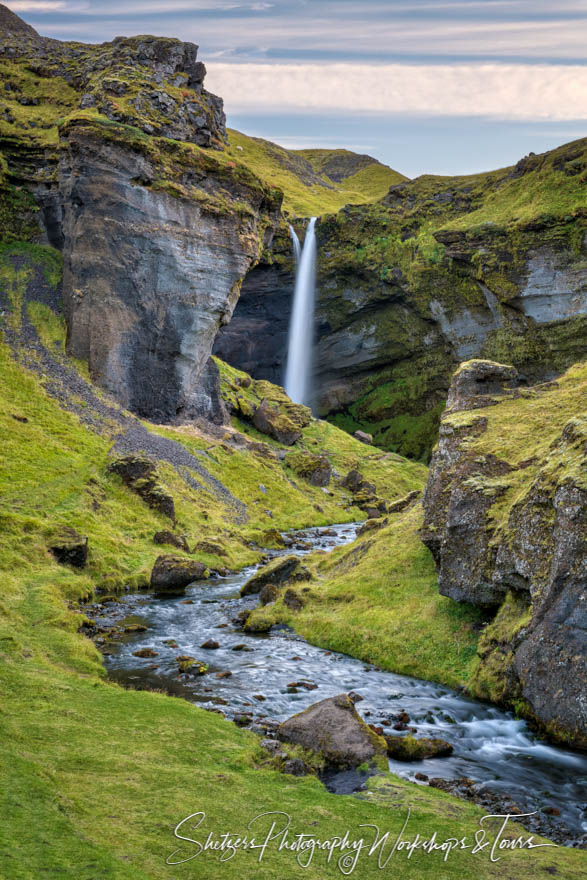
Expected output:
(333, 729)
(139, 473)
(120, 150)
(506, 518)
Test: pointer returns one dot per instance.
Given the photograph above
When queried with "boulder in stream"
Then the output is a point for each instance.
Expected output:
(172, 574)
(410, 748)
(334, 729)
(278, 571)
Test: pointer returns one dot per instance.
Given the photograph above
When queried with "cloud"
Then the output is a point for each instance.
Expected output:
(499, 91)
(35, 5)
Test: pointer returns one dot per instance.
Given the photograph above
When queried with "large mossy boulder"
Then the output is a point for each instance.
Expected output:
(316, 469)
(172, 574)
(279, 571)
(333, 729)
(411, 748)
(269, 420)
(139, 473)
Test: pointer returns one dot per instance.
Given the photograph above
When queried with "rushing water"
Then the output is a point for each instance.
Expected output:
(295, 244)
(301, 329)
(490, 746)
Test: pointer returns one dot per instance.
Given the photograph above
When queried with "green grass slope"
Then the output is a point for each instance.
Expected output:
(314, 182)
(95, 778)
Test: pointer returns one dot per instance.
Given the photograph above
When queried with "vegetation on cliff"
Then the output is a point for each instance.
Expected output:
(314, 182)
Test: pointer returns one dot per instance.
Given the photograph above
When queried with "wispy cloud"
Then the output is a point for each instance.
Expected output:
(500, 91)
(36, 5)
(344, 29)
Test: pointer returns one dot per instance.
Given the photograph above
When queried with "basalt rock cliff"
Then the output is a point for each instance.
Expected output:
(440, 270)
(113, 154)
(506, 521)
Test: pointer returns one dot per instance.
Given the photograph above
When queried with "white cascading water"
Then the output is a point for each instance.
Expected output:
(301, 328)
(296, 245)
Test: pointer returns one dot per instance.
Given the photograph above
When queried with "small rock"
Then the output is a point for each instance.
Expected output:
(363, 437)
(135, 628)
(271, 745)
(293, 600)
(70, 548)
(296, 767)
(269, 593)
(226, 674)
(422, 777)
(210, 645)
(355, 697)
(167, 537)
(145, 652)
(240, 647)
(259, 697)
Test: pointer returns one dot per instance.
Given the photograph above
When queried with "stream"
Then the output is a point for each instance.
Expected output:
(491, 747)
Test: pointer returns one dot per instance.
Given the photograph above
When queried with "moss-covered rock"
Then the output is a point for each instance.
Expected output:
(334, 729)
(139, 473)
(279, 571)
(68, 547)
(411, 748)
(269, 420)
(172, 574)
(505, 520)
(314, 468)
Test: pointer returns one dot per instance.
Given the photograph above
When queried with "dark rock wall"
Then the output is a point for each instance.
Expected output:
(119, 163)
(526, 558)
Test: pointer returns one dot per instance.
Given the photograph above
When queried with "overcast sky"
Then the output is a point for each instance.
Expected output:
(423, 85)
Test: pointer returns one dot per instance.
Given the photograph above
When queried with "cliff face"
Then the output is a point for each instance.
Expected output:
(114, 154)
(440, 270)
(506, 519)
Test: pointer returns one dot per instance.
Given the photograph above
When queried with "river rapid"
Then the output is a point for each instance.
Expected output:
(491, 747)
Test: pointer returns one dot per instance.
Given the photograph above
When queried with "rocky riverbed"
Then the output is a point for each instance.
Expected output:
(259, 680)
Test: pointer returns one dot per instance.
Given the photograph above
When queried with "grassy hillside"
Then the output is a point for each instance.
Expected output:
(314, 182)
(94, 777)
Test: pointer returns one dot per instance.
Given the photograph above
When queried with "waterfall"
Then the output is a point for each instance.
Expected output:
(301, 328)
(296, 245)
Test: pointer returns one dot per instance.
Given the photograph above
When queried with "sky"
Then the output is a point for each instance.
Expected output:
(426, 86)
